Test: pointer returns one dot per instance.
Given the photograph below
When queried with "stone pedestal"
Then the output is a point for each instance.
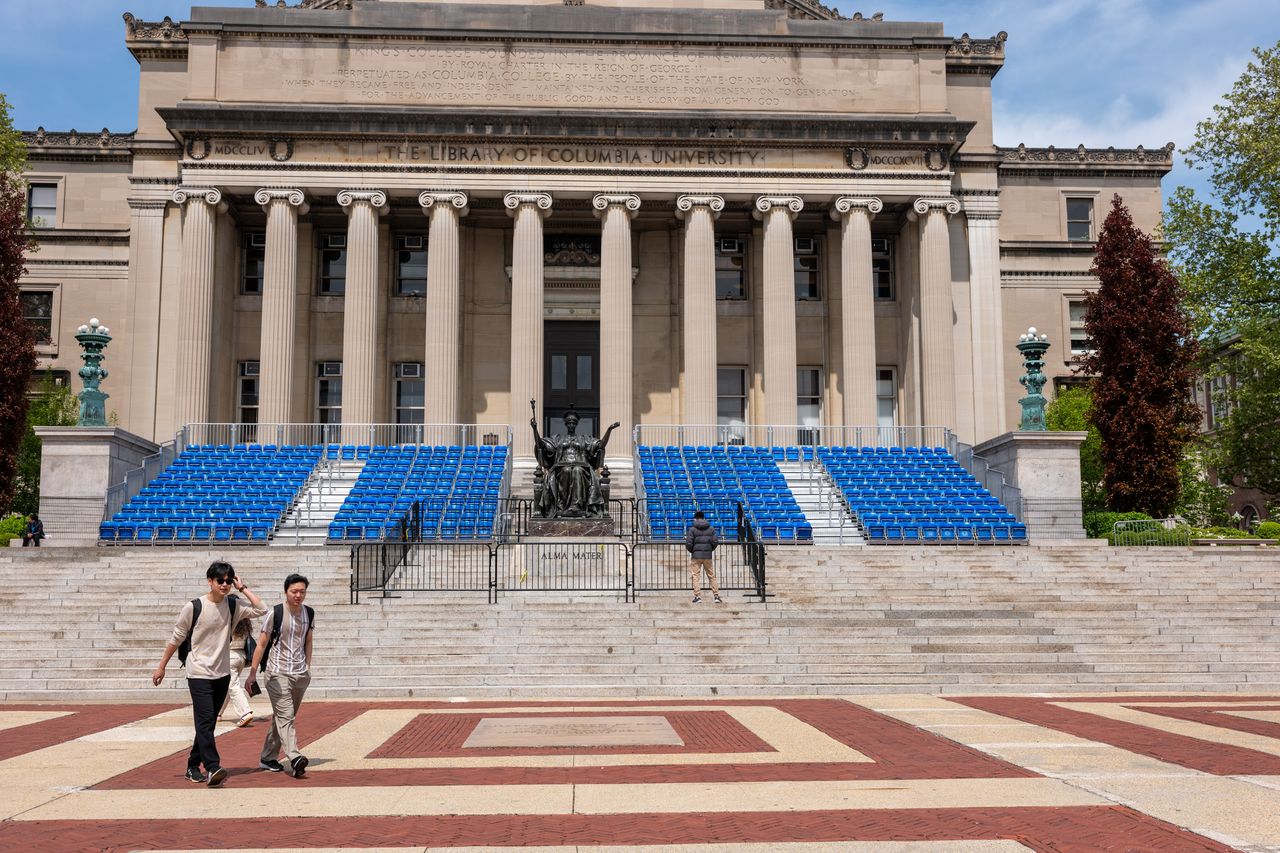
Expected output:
(1046, 467)
(591, 528)
(77, 465)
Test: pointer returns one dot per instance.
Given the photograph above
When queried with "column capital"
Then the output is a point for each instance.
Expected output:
(686, 203)
(942, 205)
(603, 201)
(211, 196)
(515, 200)
(444, 198)
(846, 204)
(293, 197)
(376, 199)
(790, 204)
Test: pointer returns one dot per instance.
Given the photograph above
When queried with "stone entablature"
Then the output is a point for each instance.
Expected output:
(73, 145)
(1140, 158)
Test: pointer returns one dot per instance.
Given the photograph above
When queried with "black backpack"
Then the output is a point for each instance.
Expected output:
(184, 648)
(277, 616)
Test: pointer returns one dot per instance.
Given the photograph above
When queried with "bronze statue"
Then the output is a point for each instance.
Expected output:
(573, 481)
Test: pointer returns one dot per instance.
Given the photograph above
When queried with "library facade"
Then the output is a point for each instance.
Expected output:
(733, 212)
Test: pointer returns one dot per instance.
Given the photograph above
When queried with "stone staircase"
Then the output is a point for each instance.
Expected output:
(307, 521)
(822, 504)
(91, 623)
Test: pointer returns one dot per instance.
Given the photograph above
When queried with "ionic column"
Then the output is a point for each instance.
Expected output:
(778, 366)
(937, 346)
(614, 210)
(362, 310)
(200, 205)
(857, 302)
(528, 210)
(279, 303)
(699, 322)
(444, 317)
(986, 320)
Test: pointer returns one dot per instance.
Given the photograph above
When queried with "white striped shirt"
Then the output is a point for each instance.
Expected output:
(288, 655)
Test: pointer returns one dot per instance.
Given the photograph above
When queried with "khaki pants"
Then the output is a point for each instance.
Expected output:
(696, 568)
(285, 692)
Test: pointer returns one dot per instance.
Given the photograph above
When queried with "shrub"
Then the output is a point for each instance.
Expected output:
(1269, 530)
(1220, 533)
(1100, 524)
(11, 527)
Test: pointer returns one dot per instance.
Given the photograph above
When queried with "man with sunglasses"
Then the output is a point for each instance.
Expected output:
(209, 662)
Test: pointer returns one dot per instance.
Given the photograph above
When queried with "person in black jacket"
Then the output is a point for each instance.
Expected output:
(34, 531)
(701, 541)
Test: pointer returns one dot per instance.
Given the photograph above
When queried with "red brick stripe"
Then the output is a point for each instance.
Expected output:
(1215, 717)
(84, 720)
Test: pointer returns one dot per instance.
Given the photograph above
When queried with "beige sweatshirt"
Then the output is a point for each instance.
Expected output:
(210, 651)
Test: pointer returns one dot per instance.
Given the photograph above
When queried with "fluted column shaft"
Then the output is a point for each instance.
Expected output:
(201, 206)
(527, 209)
(699, 320)
(857, 307)
(937, 344)
(362, 309)
(443, 353)
(987, 323)
(279, 304)
(614, 211)
(779, 306)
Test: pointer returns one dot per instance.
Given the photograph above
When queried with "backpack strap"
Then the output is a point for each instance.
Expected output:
(277, 616)
(184, 648)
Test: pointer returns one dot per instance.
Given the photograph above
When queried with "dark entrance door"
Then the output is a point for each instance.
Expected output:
(571, 375)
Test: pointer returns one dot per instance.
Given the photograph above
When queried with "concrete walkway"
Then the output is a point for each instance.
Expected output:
(788, 775)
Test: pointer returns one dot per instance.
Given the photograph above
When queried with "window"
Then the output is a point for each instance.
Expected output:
(882, 268)
(37, 310)
(1219, 401)
(253, 261)
(805, 260)
(1079, 219)
(809, 395)
(731, 268)
(886, 397)
(329, 392)
(333, 264)
(1080, 343)
(410, 392)
(42, 205)
(731, 396)
(411, 266)
(248, 389)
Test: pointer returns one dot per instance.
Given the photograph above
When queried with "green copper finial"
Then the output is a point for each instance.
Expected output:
(1033, 346)
(93, 340)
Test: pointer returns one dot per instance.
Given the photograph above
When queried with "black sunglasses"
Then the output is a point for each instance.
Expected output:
(224, 580)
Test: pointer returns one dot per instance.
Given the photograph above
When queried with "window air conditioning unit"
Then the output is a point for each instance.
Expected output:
(250, 368)
(730, 246)
(806, 245)
(331, 368)
(880, 245)
(414, 242)
(409, 370)
(257, 240)
(335, 241)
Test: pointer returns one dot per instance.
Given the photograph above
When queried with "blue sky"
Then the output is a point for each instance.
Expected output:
(1101, 72)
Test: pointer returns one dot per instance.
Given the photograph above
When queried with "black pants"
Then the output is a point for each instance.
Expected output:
(28, 540)
(207, 696)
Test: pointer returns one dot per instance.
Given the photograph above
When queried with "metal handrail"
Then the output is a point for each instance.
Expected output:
(772, 435)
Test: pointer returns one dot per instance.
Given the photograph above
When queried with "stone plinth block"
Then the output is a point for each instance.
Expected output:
(1046, 467)
(77, 465)
(543, 732)
(573, 527)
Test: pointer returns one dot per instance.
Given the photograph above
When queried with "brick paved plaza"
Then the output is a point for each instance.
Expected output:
(894, 773)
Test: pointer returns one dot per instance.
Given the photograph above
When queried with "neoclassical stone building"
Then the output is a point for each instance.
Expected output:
(658, 211)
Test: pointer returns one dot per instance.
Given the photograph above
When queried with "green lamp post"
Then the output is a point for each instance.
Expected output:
(93, 340)
(1033, 346)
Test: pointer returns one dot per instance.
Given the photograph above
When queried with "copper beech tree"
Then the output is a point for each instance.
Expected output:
(1142, 367)
(17, 343)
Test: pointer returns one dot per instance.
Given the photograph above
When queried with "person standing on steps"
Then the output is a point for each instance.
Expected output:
(201, 638)
(701, 541)
(284, 653)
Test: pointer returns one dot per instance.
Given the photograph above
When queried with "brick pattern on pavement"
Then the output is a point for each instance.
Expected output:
(83, 720)
(1219, 759)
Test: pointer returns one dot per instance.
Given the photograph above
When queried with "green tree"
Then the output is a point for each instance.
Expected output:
(1070, 412)
(1226, 251)
(1142, 367)
(55, 406)
(17, 342)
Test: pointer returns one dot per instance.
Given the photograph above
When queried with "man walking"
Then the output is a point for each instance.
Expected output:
(701, 541)
(285, 645)
(201, 637)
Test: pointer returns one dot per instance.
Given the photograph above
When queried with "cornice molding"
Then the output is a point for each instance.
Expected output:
(166, 31)
(514, 201)
(845, 205)
(444, 198)
(336, 5)
(603, 201)
(106, 141)
(967, 48)
(811, 10)
(1080, 155)
(790, 204)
